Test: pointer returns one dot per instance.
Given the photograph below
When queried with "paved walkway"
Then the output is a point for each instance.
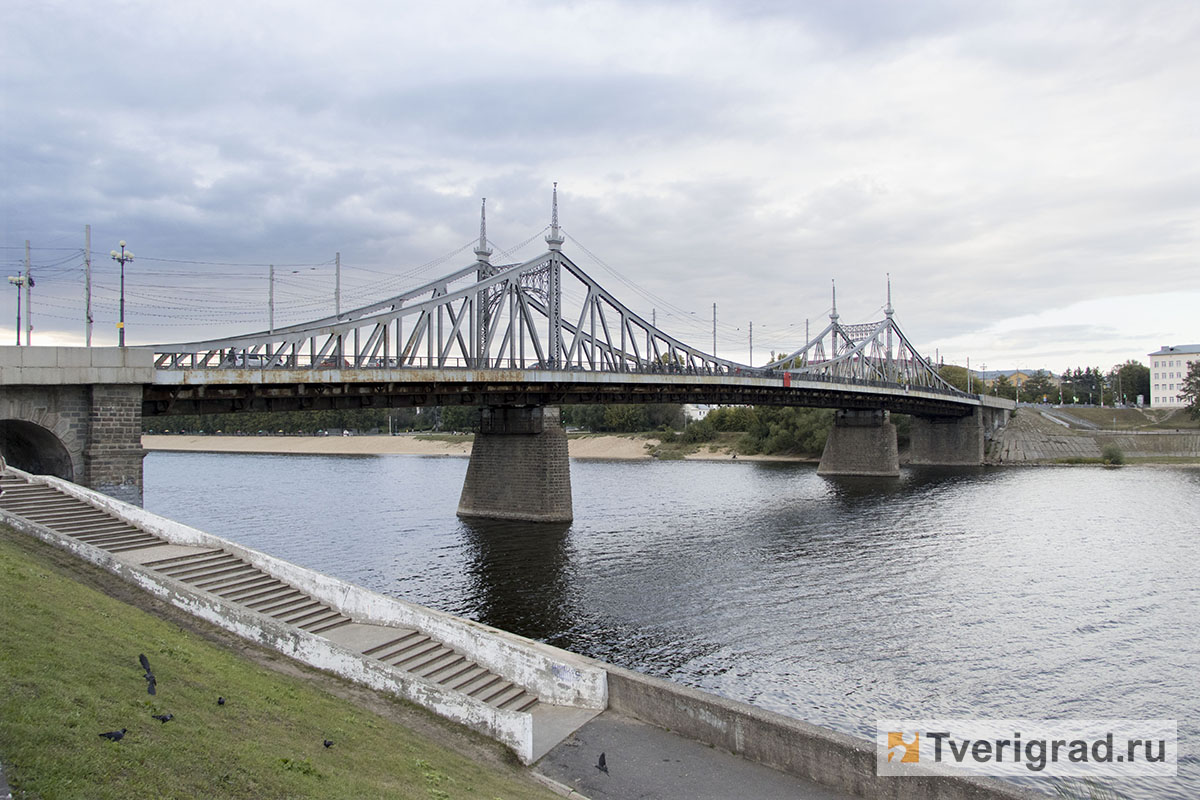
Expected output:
(654, 764)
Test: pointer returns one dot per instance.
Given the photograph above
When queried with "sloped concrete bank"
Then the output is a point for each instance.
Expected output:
(1031, 437)
(570, 689)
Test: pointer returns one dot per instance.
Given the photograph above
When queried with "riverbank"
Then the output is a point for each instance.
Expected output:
(622, 447)
(91, 628)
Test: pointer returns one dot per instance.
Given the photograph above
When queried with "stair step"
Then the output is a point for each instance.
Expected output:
(387, 645)
(466, 678)
(219, 576)
(183, 570)
(416, 664)
(251, 588)
(507, 696)
(299, 612)
(125, 548)
(480, 683)
(487, 692)
(225, 581)
(177, 559)
(409, 653)
(320, 621)
(277, 604)
(449, 674)
(448, 659)
(339, 623)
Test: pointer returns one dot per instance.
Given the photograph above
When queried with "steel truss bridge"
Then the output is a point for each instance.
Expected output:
(540, 332)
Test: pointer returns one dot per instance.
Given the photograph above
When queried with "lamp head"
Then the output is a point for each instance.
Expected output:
(122, 243)
(112, 253)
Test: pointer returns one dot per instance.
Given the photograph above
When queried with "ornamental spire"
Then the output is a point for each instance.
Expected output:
(482, 251)
(888, 309)
(833, 315)
(555, 239)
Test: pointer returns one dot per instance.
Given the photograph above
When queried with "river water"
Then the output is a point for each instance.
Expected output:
(1036, 593)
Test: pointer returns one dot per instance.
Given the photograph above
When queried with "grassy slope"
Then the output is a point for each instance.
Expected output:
(69, 670)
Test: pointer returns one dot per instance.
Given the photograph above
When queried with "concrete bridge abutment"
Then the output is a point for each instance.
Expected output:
(76, 413)
(861, 442)
(519, 467)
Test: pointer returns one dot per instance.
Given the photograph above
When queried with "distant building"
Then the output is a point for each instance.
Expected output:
(1168, 367)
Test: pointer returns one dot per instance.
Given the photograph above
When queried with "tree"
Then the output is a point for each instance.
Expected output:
(1129, 380)
(1039, 387)
(1003, 387)
(1191, 390)
(956, 376)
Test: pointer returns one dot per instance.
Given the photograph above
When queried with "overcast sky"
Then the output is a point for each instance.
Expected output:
(1027, 172)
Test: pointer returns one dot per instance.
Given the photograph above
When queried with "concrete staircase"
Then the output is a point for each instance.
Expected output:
(241, 584)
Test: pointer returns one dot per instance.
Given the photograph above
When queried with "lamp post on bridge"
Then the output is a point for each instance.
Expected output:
(123, 258)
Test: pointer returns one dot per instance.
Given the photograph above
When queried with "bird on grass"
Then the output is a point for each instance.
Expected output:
(328, 743)
(163, 718)
(220, 701)
(151, 681)
(114, 736)
(602, 764)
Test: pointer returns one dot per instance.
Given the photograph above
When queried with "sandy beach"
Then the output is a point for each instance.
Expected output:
(615, 447)
(612, 446)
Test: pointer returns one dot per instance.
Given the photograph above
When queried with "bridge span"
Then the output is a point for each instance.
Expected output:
(516, 340)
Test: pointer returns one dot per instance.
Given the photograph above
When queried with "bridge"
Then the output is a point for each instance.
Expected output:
(517, 340)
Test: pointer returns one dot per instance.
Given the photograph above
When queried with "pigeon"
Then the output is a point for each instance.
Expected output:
(220, 701)
(329, 743)
(114, 736)
(602, 764)
(163, 718)
(151, 681)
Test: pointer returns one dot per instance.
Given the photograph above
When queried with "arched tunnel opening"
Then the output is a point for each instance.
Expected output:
(34, 449)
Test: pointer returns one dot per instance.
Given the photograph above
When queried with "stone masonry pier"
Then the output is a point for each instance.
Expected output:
(519, 467)
(861, 442)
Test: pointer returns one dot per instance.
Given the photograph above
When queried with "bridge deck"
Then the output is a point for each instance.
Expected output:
(225, 390)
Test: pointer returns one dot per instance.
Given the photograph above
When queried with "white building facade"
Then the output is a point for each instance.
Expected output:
(1168, 367)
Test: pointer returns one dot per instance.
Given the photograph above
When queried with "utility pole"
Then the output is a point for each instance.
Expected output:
(28, 299)
(18, 281)
(271, 301)
(714, 329)
(337, 284)
(87, 291)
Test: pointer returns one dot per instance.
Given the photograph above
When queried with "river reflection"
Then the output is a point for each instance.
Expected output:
(1071, 593)
(519, 576)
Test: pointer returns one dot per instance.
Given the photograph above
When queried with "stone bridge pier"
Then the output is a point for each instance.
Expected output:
(76, 413)
(955, 441)
(861, 442)
(519, 467)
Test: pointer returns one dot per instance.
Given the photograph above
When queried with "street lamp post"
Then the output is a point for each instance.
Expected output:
(123, 257)
(19, 282)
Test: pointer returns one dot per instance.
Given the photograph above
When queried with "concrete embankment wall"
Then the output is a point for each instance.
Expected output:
(840, 762)
(1031, 438)
(553, 675)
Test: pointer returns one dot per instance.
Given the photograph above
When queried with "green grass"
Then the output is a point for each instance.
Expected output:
(69, 670)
